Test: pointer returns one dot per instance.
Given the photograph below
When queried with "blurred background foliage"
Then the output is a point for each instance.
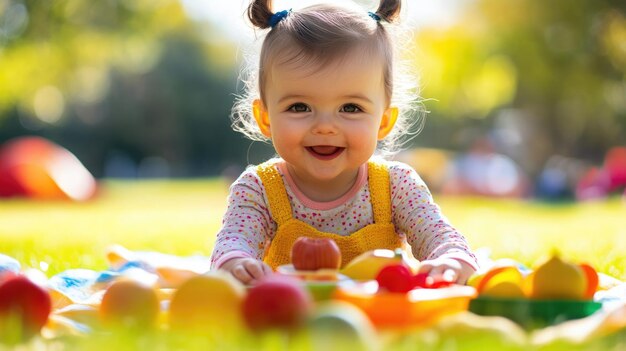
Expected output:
(144, 88)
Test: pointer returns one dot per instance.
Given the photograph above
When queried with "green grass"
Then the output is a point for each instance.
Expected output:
(174, 217)
(527, 231)
(182, 217)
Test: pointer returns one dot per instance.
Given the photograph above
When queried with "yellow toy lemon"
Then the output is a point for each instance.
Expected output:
(556, 279)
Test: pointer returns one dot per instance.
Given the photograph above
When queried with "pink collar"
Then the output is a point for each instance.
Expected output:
(322, 206)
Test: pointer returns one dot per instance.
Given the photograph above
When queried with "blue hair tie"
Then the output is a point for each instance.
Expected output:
(277, 17)
(374, 16)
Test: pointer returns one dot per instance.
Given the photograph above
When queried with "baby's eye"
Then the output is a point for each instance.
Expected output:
(350, 108)
(299, 107)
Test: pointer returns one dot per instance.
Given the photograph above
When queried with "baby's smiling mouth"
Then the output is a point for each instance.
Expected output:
(325, 152)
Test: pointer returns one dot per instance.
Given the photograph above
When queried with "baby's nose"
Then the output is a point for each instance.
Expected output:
(325, 123)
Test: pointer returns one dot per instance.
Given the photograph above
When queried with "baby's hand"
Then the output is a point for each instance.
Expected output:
(447, 269)
(246, 270)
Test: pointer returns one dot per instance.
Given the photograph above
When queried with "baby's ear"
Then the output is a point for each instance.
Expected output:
(261, 116)
(390, 116)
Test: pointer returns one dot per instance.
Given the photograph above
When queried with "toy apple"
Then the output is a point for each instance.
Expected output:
(6, 275)
(276, 301)
(24, 308)
(129, 304)
(309, 254)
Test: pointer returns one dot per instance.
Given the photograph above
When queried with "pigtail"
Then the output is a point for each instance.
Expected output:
(389, 10)
(260, 12)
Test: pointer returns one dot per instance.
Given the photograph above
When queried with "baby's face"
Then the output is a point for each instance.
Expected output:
(325, 123)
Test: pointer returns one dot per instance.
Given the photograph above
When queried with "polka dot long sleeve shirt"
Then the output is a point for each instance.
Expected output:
(248, 227)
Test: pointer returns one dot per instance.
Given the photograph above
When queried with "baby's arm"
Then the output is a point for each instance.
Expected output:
(444, 252)
(246, 226)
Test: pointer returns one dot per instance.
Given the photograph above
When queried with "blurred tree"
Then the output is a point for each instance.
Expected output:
(55, 52)
(111, 78)
(557, 68)
(139, 79)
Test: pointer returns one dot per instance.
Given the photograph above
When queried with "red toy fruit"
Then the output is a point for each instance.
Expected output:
(24, 308)
(395, 278)
(310, 254)
(276, 301)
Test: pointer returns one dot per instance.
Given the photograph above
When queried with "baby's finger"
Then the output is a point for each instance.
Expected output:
(242, 274)
(425, 268)
(450, 275)
(267, 270)
(437, 273)
(255, 269)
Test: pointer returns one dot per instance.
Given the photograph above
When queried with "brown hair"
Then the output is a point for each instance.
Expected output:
(315, 36)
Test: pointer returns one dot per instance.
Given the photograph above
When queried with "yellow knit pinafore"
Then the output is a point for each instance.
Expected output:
(379, 235)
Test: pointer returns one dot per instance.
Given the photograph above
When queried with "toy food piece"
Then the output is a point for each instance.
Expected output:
(367, 265)
(310, 254)
(131, 304)
(276, 301)
(557, 279)
(24, 308)
(315, 262)
(208, 302)
(555, 291)
(398, 278)
(395, 278)
(320, 283)
(553, 279)
(416, 307)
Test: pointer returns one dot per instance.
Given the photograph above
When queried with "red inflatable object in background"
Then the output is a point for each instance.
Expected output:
(38, 168)
(615, 166)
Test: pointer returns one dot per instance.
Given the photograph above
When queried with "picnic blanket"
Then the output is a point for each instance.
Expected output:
(76, 293)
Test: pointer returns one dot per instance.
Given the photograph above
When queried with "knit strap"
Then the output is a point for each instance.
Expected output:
(280, 207)
(378, 175)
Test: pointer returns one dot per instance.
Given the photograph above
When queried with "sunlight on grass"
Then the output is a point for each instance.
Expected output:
(182, 217)
(592, 232)
(174, 217)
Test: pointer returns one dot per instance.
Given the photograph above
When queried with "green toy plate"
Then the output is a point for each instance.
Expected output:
(532, 314)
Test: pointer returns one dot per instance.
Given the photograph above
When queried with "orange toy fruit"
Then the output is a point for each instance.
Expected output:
(592, 280)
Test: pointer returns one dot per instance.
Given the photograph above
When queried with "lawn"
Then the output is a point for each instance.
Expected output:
(181, 217)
